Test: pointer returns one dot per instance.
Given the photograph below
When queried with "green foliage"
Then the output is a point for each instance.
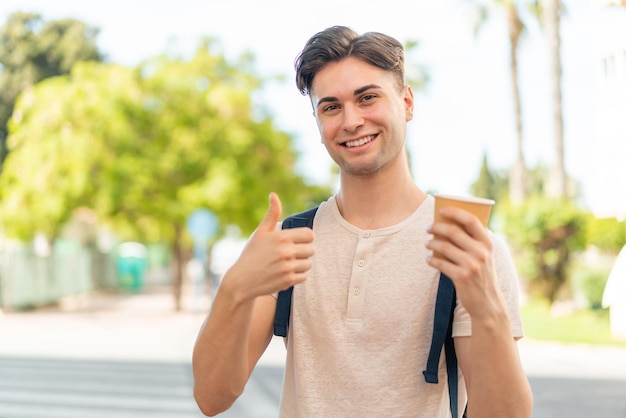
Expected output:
(536, 179)
(545, 233)
(591, 284)
(494, 183)
(416, 75)
(489, 184)
(61, 131)
(143, 148)
(32, 50)
(607, 234)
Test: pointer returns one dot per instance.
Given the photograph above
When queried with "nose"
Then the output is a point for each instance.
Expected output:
(352, 118)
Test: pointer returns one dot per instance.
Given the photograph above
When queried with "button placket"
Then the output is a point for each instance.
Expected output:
(359, 279)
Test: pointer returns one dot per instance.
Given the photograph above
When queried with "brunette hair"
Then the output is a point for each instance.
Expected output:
(340, 42)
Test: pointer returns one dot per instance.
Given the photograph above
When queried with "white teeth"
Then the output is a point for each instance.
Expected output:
(359, 142)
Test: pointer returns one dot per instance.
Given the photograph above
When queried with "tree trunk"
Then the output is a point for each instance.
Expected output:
(557, 186)
(517, 178)
(178, 267)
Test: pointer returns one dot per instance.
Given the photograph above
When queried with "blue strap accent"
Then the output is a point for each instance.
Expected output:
(283, 311)
(453, 374)
(442, 337)
(283, 303)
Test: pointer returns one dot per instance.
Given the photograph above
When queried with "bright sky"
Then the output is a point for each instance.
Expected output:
(466, 110)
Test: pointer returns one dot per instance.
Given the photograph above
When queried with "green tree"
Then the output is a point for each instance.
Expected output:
(490, 183)
(545, 233)
(417, 75)
(607, 234)
(144, 148)
(494, 183)
(31, 50)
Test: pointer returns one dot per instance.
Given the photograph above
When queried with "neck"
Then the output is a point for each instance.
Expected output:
(380, 200)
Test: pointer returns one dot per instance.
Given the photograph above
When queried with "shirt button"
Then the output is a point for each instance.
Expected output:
(357, 291)
(361, 263)
(366, 234)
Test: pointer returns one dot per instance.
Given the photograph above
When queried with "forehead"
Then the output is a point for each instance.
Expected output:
(343, 77)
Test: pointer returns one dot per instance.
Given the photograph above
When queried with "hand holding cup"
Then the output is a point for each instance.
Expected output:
(479, 207)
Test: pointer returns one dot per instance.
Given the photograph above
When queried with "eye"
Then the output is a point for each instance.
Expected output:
(367, 97)
(330, 108)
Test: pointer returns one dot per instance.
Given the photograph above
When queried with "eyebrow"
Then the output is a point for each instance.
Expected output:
(356, 92)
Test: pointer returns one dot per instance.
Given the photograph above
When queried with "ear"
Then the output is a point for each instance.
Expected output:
(409, 102)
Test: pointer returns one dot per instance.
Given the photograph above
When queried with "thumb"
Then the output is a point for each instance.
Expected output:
(268, 224)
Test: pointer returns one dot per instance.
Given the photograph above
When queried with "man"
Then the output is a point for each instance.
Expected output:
(365, 278)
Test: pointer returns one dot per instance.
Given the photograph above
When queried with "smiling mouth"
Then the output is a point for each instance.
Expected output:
(359, 142)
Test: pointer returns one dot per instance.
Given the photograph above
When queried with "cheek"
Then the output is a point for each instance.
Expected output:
(320, 125)
(327, 128)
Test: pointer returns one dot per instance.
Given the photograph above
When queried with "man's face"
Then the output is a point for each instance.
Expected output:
(361, 114)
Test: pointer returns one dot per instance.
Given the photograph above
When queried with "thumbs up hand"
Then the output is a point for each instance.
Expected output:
(273, 259)
(272, 217)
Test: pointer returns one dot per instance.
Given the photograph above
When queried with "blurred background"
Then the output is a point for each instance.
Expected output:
(139, 142)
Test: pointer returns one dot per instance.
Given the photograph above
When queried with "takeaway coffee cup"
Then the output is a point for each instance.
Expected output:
(480, 207)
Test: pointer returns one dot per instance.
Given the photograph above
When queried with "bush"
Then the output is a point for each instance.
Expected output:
(607, 234)
(590, 283)
(546, 233)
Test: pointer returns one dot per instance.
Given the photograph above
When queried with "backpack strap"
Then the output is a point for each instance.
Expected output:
(283, 303)
(442, 338)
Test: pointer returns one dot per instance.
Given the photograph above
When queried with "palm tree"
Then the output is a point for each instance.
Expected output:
(518, 175)
(551, 14)
(517, 179)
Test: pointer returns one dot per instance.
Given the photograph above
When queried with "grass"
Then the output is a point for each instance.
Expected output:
(585, 327)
